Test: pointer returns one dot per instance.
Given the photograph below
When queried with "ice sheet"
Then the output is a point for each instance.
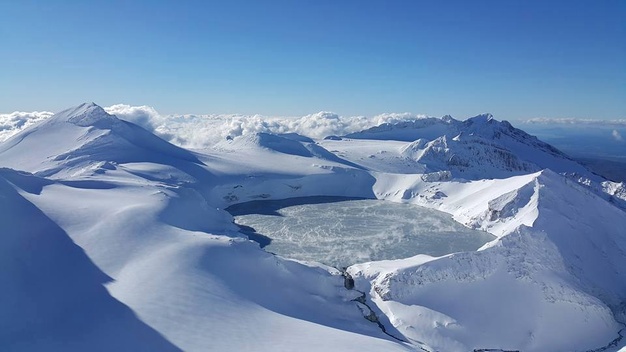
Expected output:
(341, 233)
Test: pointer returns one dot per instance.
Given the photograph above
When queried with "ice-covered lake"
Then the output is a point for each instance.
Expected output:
(341, 232)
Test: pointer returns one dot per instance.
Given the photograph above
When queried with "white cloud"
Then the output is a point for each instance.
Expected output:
(576, 121)
(14, 122)
(202, 131)
(617, 136)
(144, 116)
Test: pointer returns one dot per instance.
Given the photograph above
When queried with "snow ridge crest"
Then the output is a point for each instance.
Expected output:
(87, 115)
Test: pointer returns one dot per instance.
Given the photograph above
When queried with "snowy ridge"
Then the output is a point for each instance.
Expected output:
(427, 127)
(467, 157)
(533, 275)
(124, 209)
(88, 114)
(85, 139)
(474, 148)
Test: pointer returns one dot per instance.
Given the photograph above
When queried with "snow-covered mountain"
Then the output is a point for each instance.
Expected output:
(116, 239)
(86, 137)
(479, 147)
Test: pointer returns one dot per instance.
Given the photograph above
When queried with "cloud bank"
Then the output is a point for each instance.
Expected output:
(14, 122)
(576, 122)
(203, 131)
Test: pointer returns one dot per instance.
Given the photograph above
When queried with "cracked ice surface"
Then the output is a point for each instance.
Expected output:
(347, 232)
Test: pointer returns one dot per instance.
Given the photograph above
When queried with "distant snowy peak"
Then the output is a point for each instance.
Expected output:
(428, 127)
(433, 127)
(487, 127)
(287, 144)
(483, 125)
(83, 136)
(482, 118)
(467, 157)
(86, 115)
(479, 147)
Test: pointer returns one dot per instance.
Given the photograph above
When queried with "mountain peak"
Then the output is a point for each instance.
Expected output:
(482, 118)
(448, 119)
(88, 105)
(86, 115)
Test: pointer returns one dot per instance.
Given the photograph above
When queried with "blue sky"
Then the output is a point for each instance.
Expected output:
(515, 59)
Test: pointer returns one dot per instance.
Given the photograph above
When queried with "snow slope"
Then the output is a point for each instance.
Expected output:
(191, 280)
(116, 239)
(53, 296)
(86, 138)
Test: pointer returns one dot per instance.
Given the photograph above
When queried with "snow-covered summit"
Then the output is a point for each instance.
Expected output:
(479, 147)
(85, 115)
(481, 118)
(81, 138)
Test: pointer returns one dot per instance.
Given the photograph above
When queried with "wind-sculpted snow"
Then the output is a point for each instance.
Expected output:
(120, 240)
(509, 204)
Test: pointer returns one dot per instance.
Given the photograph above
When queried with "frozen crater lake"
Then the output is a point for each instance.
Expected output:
(342, 231)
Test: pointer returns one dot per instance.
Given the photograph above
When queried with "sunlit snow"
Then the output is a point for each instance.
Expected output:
(341, 233)
(146, 220)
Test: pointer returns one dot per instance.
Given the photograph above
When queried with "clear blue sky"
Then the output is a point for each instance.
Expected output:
(516, 59)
